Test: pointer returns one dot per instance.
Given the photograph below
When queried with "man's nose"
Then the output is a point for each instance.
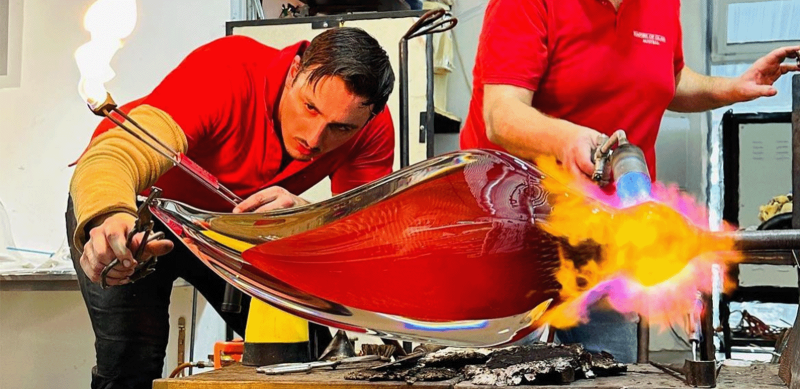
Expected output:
(316, 134)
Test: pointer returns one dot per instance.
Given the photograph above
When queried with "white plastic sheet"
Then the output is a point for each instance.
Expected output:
(16, 260)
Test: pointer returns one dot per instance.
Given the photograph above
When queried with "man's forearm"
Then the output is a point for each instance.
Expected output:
(526, 132)
(697, 93)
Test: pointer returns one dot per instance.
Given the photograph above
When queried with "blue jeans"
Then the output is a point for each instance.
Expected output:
(608, 331)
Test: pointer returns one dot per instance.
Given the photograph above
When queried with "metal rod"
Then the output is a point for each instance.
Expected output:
(193, 331)
(669, 370)
(139, 137)
(220, 189)
(707, 349)
(430, 111)
(764, 240)
(796, 151)
(431, 22)
(789, 369)
(404, 135)
(142, 129)
(643, 347)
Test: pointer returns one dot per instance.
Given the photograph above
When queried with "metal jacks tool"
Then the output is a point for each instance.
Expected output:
(144, 223)
(284, 368)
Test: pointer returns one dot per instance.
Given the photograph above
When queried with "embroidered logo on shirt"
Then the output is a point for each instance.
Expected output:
(650, 39)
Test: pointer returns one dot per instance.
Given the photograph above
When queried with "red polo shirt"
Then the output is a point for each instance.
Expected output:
(224, 97)
(586, 62)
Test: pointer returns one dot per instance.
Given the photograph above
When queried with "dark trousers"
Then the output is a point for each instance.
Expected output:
(608, 331)
(131, 322)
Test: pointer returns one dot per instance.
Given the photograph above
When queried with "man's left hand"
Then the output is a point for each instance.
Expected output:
(269, 199)
(757, 81)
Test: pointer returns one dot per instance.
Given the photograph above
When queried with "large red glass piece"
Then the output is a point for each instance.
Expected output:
(462, 245)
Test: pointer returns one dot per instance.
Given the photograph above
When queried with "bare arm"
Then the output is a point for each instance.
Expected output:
(696, 92)
(511, 122)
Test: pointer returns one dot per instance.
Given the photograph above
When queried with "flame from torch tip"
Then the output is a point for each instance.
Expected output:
(654, 257)
(109, 22)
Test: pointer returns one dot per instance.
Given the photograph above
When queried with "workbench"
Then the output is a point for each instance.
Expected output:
(639, 376)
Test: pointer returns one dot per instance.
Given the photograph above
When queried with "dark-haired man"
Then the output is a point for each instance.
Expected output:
(268, 123)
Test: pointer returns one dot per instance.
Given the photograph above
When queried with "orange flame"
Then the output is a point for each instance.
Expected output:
(109, 22)
(649, 259)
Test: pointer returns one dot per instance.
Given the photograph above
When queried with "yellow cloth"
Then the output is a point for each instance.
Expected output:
(267, 324)
(117, 166)
(776, 206)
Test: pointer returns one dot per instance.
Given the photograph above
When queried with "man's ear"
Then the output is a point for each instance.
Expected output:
(294, 69)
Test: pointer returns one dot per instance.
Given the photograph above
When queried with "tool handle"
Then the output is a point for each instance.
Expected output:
(193, 168)
(104, 273)
(206, 178)
(232, 300)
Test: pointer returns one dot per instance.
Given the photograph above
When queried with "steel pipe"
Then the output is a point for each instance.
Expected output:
(765, 240)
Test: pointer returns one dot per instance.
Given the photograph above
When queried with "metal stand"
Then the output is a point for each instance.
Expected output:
(430, 23)
(790, 359)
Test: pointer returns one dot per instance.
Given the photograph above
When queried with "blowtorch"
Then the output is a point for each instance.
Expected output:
(627, 166)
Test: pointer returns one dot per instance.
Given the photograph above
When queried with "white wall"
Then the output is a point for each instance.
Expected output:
(46, 338)
(465, 46)
(44, 126)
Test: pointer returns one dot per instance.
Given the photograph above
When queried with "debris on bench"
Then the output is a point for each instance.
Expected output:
(536, 364)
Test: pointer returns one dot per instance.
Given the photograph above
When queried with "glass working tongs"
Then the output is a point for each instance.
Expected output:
(144, 223)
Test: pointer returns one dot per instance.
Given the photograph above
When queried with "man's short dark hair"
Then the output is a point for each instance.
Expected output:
(354, 56)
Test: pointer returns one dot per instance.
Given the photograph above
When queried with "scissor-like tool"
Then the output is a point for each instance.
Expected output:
(144, 223)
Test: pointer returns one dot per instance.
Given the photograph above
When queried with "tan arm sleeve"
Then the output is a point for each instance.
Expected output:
(117, 166)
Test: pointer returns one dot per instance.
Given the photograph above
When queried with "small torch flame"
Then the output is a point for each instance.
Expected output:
(109, 22)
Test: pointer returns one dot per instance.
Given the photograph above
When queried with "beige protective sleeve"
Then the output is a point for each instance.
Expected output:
(117, 166)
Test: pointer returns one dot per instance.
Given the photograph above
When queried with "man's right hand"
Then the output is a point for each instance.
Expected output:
(512, 123)
(577, 149)
(107, 241)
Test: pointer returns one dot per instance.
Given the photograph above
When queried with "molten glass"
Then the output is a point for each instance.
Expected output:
(461, 249)
(449, 249)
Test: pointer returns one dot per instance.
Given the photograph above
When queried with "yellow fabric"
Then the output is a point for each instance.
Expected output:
(267, 324)
(776, 206)
(117, 166)
(231, 243)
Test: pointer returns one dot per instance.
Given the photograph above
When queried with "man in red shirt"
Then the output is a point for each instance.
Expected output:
(551, 75)
(268, 123)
